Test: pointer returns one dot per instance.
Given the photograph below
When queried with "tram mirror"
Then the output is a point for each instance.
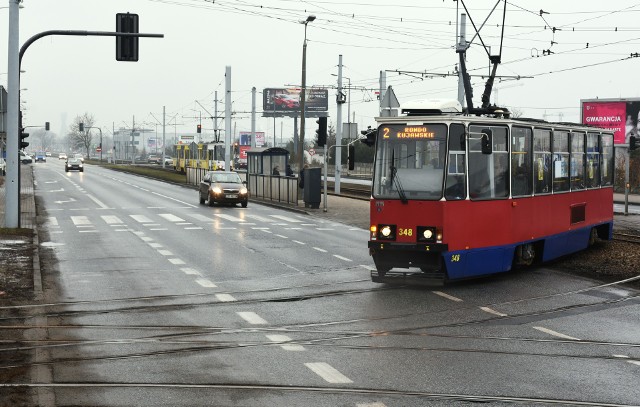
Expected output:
(487, 141)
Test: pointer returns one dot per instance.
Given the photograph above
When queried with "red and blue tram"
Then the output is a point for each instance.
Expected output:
(459, 196)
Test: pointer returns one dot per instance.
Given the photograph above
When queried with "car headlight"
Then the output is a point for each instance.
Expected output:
(243, 191)
(80, 165)
(216, 190)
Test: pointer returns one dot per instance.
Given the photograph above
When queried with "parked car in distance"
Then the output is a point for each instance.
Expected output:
(62, 156)
(25, 158)
(3, 166)
(40, 156)
(168, 161)
(223, 187)
(154, 159)
(73, 163)
(79, 156)
(47, 153)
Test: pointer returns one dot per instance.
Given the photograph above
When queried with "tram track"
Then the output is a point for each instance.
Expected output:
(356, 391)
(627, 237)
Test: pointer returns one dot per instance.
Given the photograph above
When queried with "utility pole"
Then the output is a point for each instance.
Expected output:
(12, 186)
(164, 148)
(253, 117)
(383, 88)
(215, 119)
(338, 161)
(227, 119)
(133, 150)
(462, 44)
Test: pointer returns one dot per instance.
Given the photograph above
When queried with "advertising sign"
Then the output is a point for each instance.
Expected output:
(153, 143)
(618, 115)
(245, 138)
(287, 100)
(243, 152)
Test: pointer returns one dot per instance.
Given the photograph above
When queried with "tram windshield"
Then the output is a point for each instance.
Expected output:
(410, 161)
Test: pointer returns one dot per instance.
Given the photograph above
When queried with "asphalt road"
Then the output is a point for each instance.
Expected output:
(162, 301)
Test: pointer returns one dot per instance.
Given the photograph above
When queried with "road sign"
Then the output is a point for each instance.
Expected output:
(312, 151)
(98, 150)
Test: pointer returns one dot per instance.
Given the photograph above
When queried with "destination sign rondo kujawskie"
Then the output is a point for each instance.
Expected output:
(408, 132)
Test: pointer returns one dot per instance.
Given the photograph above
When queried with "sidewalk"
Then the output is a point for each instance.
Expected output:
(27, 199)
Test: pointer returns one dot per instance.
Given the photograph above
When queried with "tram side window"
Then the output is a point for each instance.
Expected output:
(560, 161)
(488, 173)
(577, 161)
(606, 157)
(455, 187)
(542, 161)
(521, 161)
(593, 161)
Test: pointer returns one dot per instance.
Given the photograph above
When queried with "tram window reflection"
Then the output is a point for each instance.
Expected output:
(455, 188)
(521, 161)
(593, 161)
(488, 173)
(607, 159)
(542, 161)
(577, 161)
(560, 161)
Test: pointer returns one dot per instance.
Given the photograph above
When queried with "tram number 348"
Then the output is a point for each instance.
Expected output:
(405, 232)
(455, 258)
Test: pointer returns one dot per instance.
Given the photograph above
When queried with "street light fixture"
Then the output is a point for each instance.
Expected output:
(302, 92)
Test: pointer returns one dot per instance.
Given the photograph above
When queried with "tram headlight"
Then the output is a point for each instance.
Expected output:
(386, 232)
(428, 234)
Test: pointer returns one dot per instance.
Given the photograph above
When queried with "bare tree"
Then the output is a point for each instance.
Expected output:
(81, 139)
(45, 138)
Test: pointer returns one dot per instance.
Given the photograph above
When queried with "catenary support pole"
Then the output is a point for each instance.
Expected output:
(338, 152)
(227, 119)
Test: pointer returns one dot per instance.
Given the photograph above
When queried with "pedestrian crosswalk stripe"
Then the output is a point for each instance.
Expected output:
(229, 217)
(111, 220)
(286, 218)
(141, 218)
(80, 220)
(170, 217)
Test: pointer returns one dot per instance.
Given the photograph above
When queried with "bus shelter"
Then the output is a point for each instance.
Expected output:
(266, 175)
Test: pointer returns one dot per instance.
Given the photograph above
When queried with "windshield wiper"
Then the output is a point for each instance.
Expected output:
(394, 177)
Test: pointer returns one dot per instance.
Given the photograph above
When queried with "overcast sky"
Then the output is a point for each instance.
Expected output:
(261, 40)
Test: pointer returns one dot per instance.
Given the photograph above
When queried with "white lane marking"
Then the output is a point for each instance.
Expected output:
(229, 217)
(299, 242)
(141, 218)
(53, 221)
(176, 261)
(171, 217)
(111, 220)
(328, 373)
(155, 245)
(165, 252)
(219, 228)
(190, 271)
(554, 333)
(377, 404)
(320, 250)
(492, 311)
(337, 256)
(225, 297)
(364, 266)
(201, 218)
(324, 229)
(151, 225)
(286, 218)
(282, 236)
(635, 362)
(80, 220)
(252, 318)
(260, 228)
(88, 231)
(146, 238)
(176, 200)
(194, 228)
(258, 218)
(206, 283)
(308, 224)
(447, 296)
(285, 338)
(265, 230)
(293, 228)
(158, 229)
(97, 201)
(621, 356)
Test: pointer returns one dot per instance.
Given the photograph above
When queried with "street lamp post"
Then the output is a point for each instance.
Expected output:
(302, 92)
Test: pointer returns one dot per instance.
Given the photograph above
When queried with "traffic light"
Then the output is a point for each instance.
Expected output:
(46, 126)
(633, 143)
(351, 157)
(370, 135)
(127, 47)
(80, 126)
(199, 128)
(322, 131)
(23, 135)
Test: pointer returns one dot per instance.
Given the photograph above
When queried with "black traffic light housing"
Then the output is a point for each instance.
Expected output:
(23, 135)
(351, 157)
(199, 128)
(80, 126)
(370, 135)
(633, 143)
(322, 131)
(127, 47)
(46, 126)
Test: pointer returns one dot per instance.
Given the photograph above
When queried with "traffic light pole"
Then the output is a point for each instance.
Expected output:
(326, 168)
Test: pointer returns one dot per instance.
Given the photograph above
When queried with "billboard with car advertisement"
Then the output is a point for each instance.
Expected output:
(286, 101)
(618, 115)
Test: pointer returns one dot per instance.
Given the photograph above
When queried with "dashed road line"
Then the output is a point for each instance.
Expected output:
(206, 283)
(165, 252)
(341, 257)
(285, 338)
(252, 318)
(225, 297)
(328, 373)
(190, 271)
(298, 242)
(176, 261)
(492, 311)
(554, 333)
(320, 250)
(447, 296)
